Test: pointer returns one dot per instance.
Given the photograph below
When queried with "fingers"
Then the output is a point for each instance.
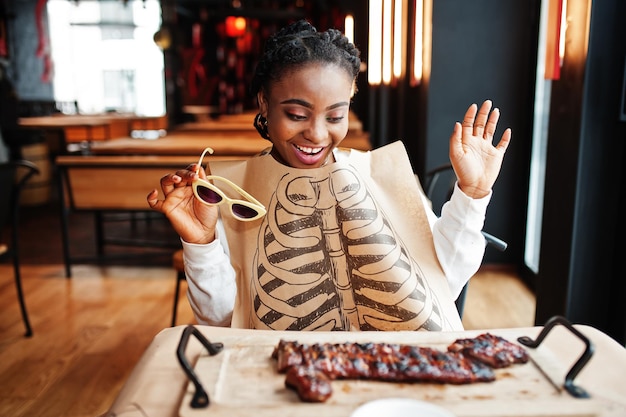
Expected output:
(180, 178)
(504, 140)
(481, 119)
(468, 120)
(153, 200)
(457, 136)
(481, 122)
(192, 171)
(492, 124)
(456, 143)
(170, 182)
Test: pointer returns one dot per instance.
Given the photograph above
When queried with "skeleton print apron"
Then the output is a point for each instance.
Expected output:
(343, 247)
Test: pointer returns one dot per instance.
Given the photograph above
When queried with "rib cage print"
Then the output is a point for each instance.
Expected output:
(328, 259)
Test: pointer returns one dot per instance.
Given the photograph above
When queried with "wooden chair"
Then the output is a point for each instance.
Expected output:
(179, 267)
(438, 187)
(10, 190)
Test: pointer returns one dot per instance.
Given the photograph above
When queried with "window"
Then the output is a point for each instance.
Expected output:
(539, 151)
(104, 55)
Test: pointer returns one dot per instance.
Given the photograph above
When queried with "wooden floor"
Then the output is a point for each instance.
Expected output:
(90, 330)
(496, 299)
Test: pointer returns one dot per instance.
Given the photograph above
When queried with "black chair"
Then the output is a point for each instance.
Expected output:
(10, 189)
(438, 187)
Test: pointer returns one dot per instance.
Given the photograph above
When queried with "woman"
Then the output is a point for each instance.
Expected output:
(339, 201)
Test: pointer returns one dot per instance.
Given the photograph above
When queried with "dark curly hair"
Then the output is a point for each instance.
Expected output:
(298, 44)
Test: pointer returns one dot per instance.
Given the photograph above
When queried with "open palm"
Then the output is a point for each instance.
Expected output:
(476, 161)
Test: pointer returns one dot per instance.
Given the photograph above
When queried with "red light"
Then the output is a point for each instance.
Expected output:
(235, 26)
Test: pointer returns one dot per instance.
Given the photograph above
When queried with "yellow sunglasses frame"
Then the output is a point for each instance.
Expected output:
(251, 202)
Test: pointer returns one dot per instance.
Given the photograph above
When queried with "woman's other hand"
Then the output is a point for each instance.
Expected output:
(476, 161)
(194, 221)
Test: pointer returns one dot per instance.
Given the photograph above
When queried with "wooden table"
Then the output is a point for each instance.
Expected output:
(227, 143)
(79, 128)
(159, 387)
(183, 143)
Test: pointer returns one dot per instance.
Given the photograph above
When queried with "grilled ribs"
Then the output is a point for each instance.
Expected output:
(311, 384)
(490, 349)
(311, 367)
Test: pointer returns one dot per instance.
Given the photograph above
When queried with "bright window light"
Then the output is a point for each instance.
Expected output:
(104, 56)
(374, 75)
(349, 26)
(398, 40)
(418, 42)
(387, 40)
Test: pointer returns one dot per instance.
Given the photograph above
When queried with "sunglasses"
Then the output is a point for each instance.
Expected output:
(244, 210)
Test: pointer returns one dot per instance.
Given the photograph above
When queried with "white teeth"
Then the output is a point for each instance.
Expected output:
(310, 151)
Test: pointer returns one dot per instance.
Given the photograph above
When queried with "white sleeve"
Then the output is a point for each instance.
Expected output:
(211, 283)
(457, 234)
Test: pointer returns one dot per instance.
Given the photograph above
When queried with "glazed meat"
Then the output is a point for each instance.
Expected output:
(312, 385)
(382, 362)
(311, 367)
(490, 349)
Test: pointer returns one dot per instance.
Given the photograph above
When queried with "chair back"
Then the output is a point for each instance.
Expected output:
(439, 185)
(7, 181)
(12, 179)
(10, 186)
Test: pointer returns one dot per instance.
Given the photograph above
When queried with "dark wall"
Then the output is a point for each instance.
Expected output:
(480, 50)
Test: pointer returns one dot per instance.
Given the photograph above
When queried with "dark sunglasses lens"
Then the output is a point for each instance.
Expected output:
(244, 212)
(209, 195)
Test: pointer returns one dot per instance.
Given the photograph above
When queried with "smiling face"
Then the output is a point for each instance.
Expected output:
(307, 114)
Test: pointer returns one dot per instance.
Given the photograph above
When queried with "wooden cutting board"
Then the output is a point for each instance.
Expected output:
(242, 381)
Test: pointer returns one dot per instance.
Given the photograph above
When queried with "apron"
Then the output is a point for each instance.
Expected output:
(346, 246)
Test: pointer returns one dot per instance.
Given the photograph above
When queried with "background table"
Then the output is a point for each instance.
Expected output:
(183, 143)
(63, 129)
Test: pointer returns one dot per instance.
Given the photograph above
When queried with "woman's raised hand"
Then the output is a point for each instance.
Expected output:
(476, 161)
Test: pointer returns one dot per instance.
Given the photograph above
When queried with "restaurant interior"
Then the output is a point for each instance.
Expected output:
(96, 92)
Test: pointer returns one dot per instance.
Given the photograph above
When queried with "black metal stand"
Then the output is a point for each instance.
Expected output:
(574, 391)
(200, 397)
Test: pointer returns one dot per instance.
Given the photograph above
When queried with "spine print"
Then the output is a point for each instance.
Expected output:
(328, 259)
